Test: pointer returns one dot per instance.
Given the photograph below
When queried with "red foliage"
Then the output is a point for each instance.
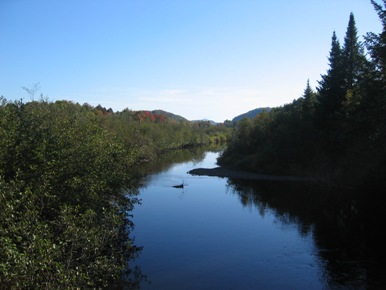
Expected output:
(147, 116)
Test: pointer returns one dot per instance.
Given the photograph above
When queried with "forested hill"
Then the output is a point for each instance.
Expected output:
(251, 114)
(160, 113)
(169, 115)
(337, 132)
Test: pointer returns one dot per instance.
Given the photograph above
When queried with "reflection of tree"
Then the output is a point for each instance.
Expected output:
(348, 244)
(169, 159)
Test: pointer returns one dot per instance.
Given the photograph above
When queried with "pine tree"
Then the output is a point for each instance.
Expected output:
(374, 104)
(308, 100)
(308, 92)
(376, 44)
(340, 89)
(331, 87)
(356, 69)
(353, 58)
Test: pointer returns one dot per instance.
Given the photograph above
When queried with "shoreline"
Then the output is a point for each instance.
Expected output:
(240, 174)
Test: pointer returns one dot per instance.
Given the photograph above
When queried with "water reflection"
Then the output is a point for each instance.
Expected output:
(292, 235)
(346, 228)
(170, 159)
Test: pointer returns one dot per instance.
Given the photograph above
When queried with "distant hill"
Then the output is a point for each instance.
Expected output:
(206, 120)
(251, 114)
(169, 115)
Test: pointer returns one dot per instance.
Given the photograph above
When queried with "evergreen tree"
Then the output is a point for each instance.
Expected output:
(374, 103)
(344, 140)
(331, 87)
(340, 94)
(309, 98)
(308, 92)
(376, 44)
(352, 56)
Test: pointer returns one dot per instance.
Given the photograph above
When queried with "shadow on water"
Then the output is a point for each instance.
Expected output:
(347, 226)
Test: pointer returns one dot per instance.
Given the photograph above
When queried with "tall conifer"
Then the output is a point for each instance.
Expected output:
(353, 57)
(332, 84)
(309, 100)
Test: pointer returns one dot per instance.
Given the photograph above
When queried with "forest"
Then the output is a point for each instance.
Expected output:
(336, 133)
(68, 177)
(67, 186)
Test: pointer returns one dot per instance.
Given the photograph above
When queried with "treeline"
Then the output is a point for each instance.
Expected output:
(66, 190)
(149, 134)
(337, 132)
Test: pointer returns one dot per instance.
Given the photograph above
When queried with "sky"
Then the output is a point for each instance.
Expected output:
(201, 59)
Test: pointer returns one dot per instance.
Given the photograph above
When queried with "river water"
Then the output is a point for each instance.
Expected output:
(216, 233)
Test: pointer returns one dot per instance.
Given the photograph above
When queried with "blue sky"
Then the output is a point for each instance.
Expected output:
(211, 59)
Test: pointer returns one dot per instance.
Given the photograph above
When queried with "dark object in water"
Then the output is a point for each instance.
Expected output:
(179, 186)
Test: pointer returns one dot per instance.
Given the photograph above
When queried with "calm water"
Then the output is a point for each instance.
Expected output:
(217, 233)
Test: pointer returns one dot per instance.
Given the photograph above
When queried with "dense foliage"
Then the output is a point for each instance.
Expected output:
(338, 132)
(149, 134)
(66, 189)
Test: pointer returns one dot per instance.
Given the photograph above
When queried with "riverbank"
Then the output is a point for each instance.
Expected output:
(240, 174)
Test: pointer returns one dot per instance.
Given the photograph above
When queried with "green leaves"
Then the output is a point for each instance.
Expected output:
(66, 188)
(63, 198)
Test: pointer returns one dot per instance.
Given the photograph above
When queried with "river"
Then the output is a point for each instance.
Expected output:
(216, 233)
